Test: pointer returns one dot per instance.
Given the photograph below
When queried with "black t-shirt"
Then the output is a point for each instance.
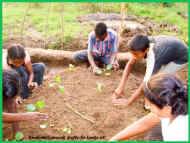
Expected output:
(168, 49)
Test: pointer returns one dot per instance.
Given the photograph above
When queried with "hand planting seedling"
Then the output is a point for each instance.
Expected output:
(99, 87)
(71, 67)
(30, 108)
(109, 67)
(98, 72)
(61, 89)
(40, 105)
(19, 136)
(58, 79)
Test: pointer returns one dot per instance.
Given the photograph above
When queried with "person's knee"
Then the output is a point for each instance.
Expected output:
(80, 55)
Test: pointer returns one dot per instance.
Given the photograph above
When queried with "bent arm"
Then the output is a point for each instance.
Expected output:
(125, 75)
(142, 125)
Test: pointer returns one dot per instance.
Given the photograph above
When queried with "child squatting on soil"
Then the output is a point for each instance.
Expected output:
(11, 88)
(165, 54)
(102, 48)
(166, 97)
(31, 74)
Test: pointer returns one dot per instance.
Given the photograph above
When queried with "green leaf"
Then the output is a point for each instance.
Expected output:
(52, 84)
(109, 67)
(98, 72)
(44, 126)
(107, 73)
(67, 130)
(71, 67)
(40, 104)
(61, 89)
(58, 79)
(30, 108)
(99, 87)
(19, 136)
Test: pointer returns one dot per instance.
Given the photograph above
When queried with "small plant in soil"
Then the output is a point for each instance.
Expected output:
(40, 104)
(67, 130)
(52, 84)
(109, 67)
(107, 74)
(71, 67)
(43, 126)
(98, 72)
(99, 87)
(58, 79)
(19, 136)
(30, 108)
(61, 89)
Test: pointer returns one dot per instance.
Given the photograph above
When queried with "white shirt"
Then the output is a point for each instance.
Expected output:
(177, 130)
(150, 61)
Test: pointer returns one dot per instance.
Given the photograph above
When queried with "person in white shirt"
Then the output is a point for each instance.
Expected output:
(166, 97)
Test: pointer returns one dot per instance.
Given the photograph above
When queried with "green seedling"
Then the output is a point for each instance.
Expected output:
(43, 126)
(61, 89)
(109, 67)
(52, 84)
(58, 79)
(30, 108)
(40, 105)
(67, 130)
(19, 136)
(99, 87)
(98, 72)
(71, 67)
(107, 73)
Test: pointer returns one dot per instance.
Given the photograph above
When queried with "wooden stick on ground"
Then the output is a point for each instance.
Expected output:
(78, 113)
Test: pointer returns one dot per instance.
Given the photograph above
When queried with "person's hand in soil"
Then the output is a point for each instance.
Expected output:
(18, 100)
(32, 85)
(117, 99)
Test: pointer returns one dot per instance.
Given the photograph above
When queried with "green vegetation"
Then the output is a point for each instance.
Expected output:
(58, 21)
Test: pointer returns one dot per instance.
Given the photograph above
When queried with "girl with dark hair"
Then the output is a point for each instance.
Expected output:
(31, 74)
(166, 97)
(11, 88)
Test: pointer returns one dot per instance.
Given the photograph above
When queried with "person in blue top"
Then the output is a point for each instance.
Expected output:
(102, 48)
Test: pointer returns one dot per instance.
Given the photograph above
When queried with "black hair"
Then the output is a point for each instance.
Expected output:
(16, 51)
(11, 83)
(167, 89)
(139, 43)
(100, 29)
